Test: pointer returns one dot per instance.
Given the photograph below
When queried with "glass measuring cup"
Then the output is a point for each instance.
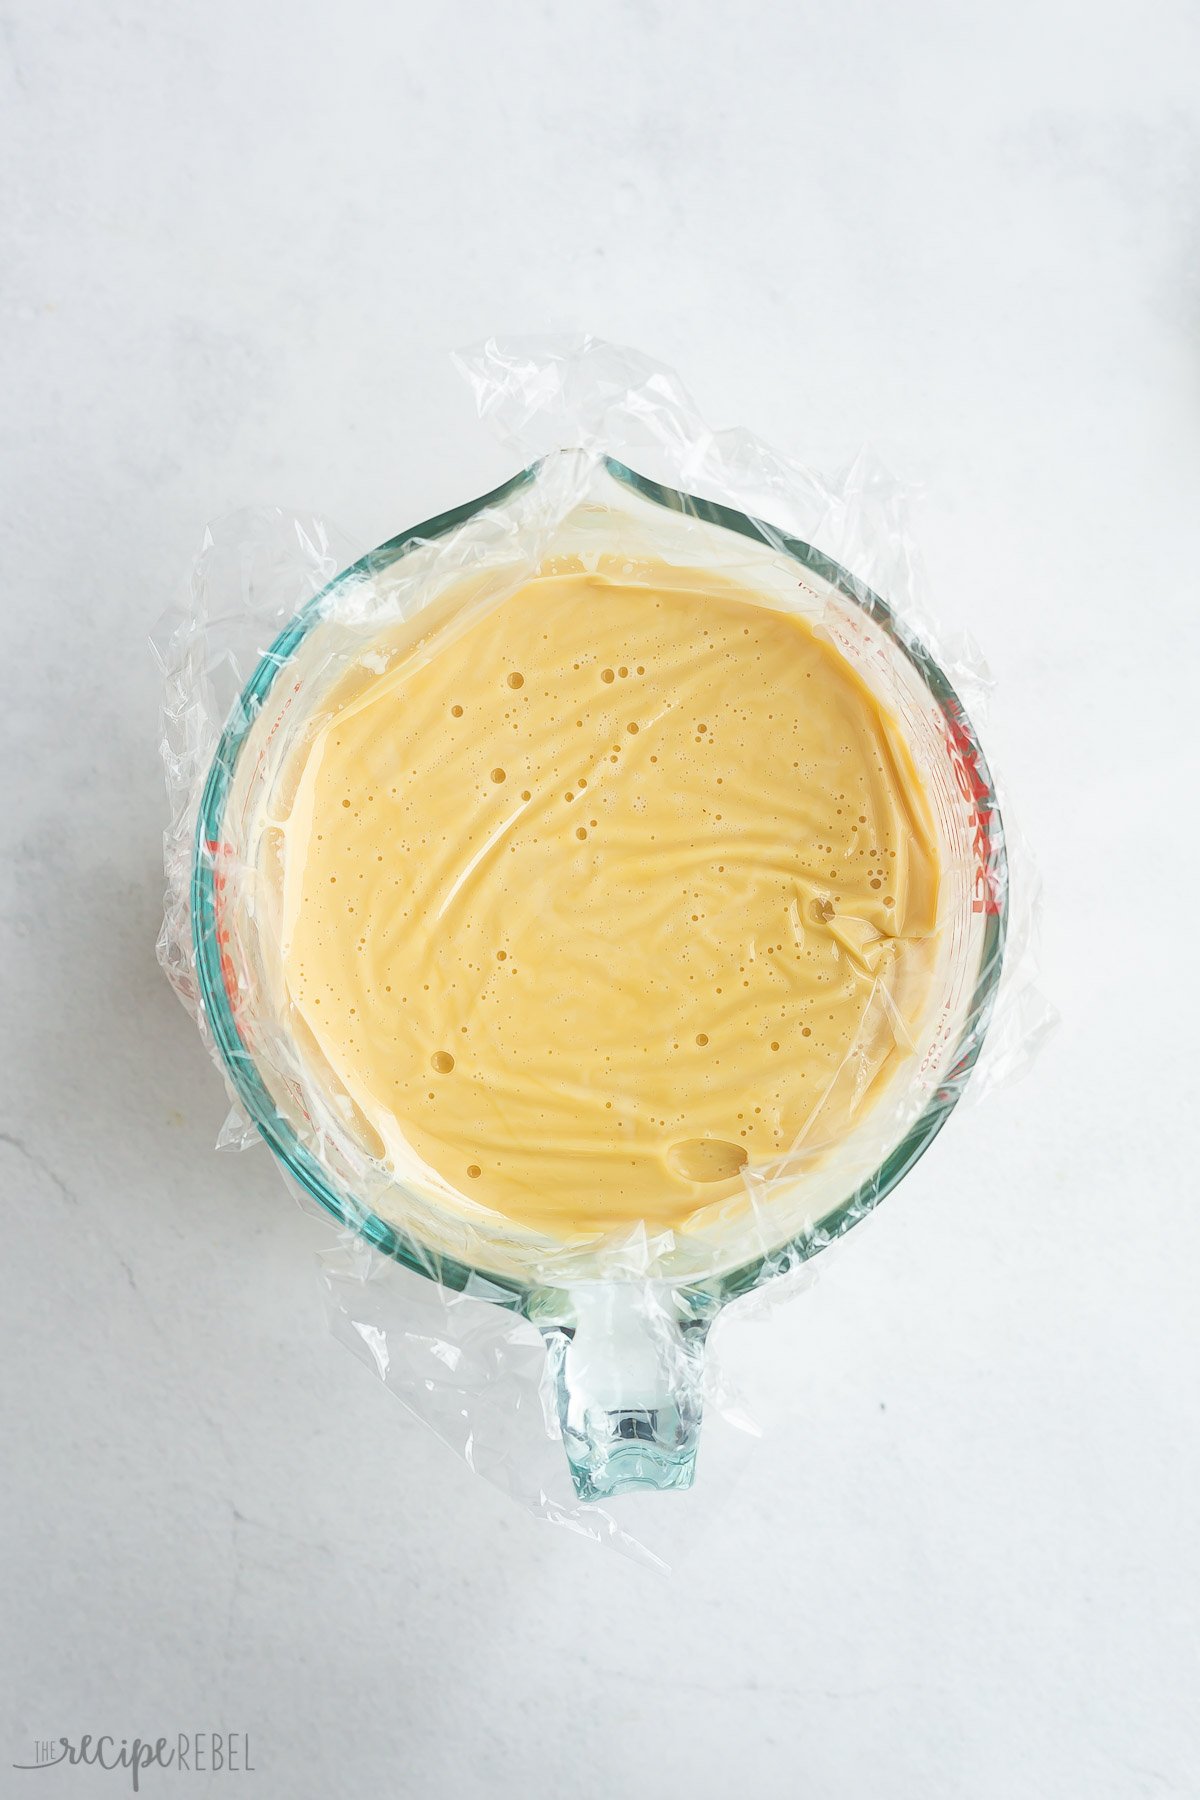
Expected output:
(624, 1321)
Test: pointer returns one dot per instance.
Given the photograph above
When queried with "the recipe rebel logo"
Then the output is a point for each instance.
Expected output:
(192, 1752)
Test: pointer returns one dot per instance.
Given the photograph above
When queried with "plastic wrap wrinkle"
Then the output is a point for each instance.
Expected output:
(573, 1367)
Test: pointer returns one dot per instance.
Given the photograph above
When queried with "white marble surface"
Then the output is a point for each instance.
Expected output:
(238, 241)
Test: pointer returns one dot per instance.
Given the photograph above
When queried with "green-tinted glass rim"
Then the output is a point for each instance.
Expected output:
(239, 1063)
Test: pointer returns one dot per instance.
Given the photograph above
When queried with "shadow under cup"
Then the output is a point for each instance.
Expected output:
(624, 1319)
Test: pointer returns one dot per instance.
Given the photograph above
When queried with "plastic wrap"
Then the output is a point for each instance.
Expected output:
(570, 1366)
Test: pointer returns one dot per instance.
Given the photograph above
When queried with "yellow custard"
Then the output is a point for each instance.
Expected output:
(594, 899)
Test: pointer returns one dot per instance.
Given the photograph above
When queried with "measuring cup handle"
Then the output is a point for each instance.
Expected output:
(628, 1378)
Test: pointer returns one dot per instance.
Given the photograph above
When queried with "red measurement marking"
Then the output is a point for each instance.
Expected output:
(218, 848)
(964, 760)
